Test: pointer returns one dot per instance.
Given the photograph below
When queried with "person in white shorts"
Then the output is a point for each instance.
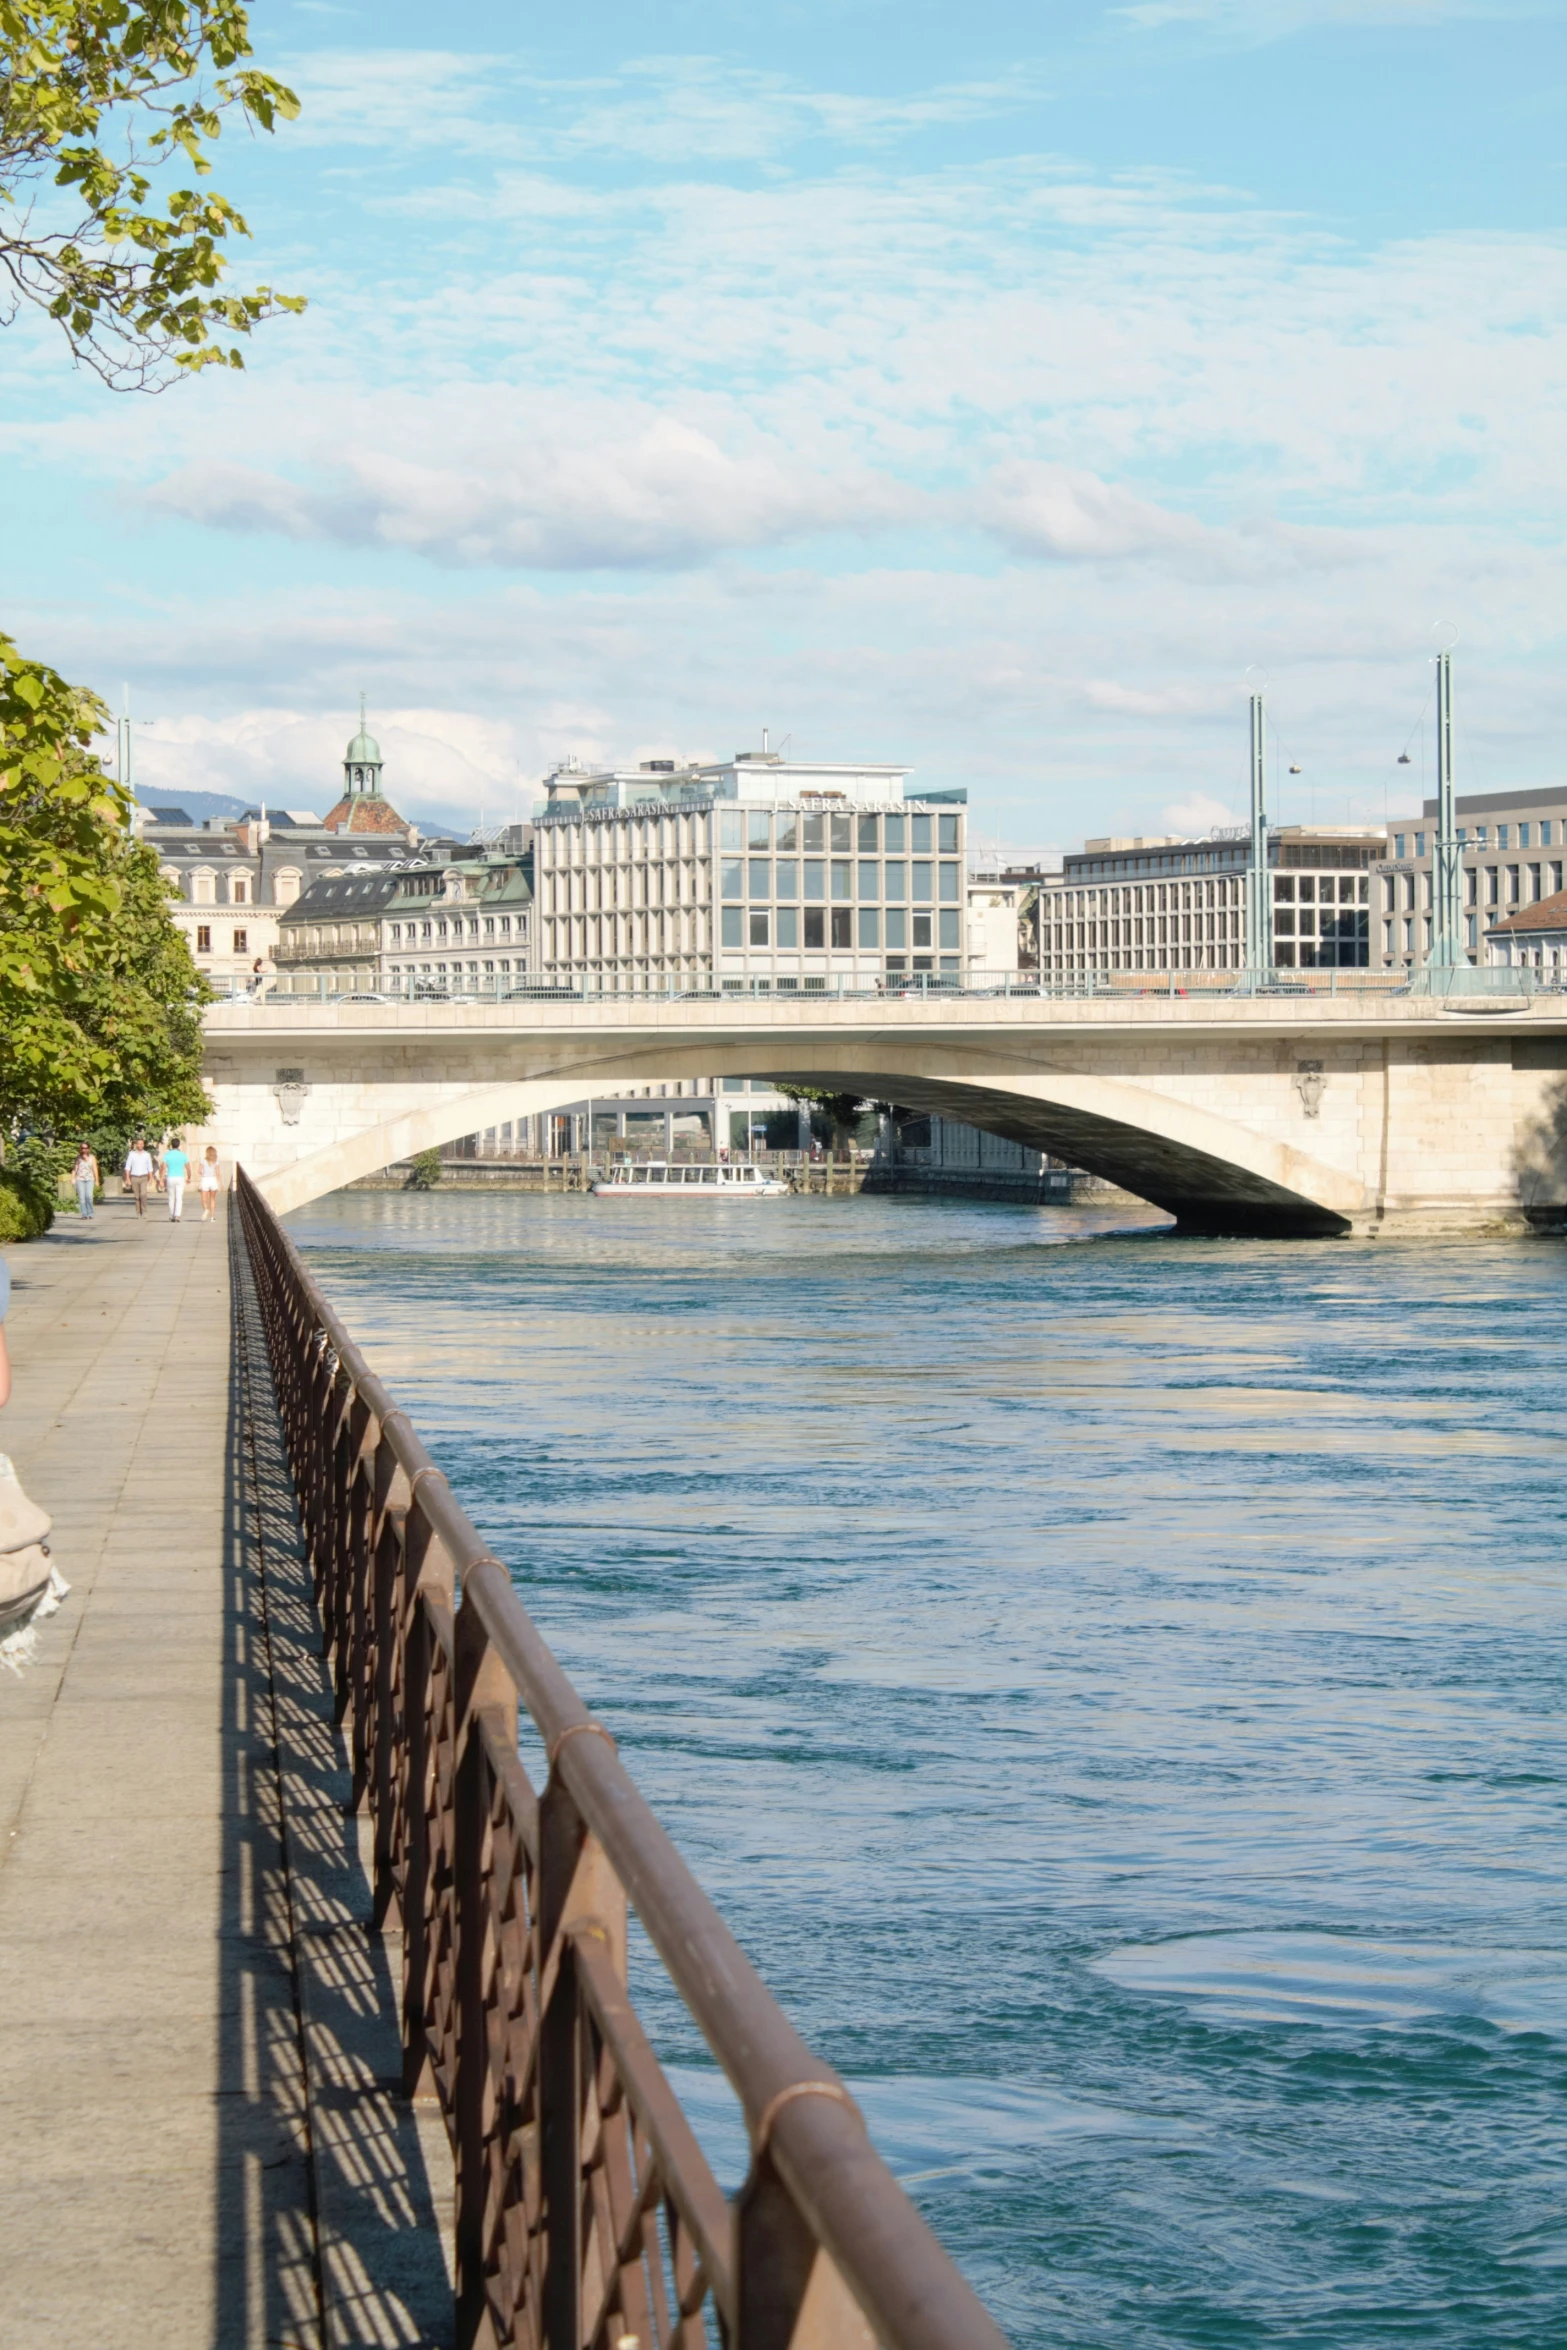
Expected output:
(176, 1166)
(138, 1172)
(207, 1184)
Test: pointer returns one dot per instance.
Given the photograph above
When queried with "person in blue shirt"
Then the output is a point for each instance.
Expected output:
(176, 1166)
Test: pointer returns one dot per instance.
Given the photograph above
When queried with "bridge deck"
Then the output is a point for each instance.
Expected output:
(199, 2039)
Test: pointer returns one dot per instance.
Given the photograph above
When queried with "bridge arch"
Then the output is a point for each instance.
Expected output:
(1212, 1172)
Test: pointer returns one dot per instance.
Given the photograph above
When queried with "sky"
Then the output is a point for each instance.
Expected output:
(998, 390)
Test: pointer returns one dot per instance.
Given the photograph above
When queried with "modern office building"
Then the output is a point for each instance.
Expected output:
(1514, 846)
(753, 875)
(1162, 905)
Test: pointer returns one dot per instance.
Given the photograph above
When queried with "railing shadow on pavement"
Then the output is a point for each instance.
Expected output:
(328, 2228)
(587, 2217)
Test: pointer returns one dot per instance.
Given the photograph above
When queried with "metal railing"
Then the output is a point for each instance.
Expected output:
(587, 2215)
(284, 988)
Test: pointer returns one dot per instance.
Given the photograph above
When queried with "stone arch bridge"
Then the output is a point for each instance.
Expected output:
(1322, 1114)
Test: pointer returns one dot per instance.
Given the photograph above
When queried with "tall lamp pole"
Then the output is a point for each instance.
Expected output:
(1259, 902)
(1446, 949)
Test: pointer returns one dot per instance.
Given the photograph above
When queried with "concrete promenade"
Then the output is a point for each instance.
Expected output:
(203, 2139)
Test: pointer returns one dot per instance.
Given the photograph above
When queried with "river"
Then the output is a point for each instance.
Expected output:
(1112, 1685)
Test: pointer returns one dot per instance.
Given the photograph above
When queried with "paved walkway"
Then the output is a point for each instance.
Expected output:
(202, 2140)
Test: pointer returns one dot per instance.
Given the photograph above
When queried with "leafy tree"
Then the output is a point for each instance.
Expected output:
(100, 1003)
(424, 1171)
(96, 95)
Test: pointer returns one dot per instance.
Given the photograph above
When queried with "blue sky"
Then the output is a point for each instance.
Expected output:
(980, 387)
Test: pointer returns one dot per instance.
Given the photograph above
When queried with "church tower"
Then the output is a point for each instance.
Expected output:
(362, 762)
(361, 808)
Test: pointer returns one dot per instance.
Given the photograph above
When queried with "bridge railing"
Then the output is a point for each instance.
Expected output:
(587, 2215)
(286, 987)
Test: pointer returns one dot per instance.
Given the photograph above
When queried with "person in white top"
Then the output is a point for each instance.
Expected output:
(138, 1171)
(207, 1183)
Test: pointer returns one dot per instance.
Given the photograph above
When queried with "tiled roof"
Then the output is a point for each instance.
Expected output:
(364, 812)
(1549, 914)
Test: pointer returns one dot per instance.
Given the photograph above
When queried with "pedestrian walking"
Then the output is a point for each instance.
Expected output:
(138, 1171)
(84, 1174)
(258, 978)
(207, 1181)
(176, 1166)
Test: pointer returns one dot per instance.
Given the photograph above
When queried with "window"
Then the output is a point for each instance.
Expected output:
(758, 829)
(1400, 848)
(1284, 890)
(786, 927)
(919, 827)
(203, 938)
(1504, 834)
(949, 885)
(869, 882)
(892, 832)
(815, 880)
(203, 888)
(842, 921)
(788, 828)
(948, 920)
(897, 927)
(947, 835)
(813, 832)
(731, 829)
(920, 892)
(241, 942)
(1420, 844)
(1534, 884)
(1523, 836)
(1284, 922)
(870, 928)
(815, 927)
(921, 930)
(239, 889)
(731, 878)
(1545, 833)
(840, 830)
(759, 936)
(865, 836)
(895, 879)
(1512, 885)
(788, 873)
(760, 877)
(841, 872)
(489, 926)
(733, 931)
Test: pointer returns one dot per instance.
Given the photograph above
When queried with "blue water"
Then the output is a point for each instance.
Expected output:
(1114, 1688)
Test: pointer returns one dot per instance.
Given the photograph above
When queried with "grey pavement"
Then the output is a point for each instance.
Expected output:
(204, 2143)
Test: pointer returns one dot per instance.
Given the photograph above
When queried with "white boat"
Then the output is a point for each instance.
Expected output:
(659, 1179)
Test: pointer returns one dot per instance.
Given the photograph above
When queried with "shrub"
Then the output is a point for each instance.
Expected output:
(23, 1215)
(424, 1172)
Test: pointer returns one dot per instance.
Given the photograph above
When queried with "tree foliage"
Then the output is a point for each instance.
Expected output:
(100, 1003)
(95, 96)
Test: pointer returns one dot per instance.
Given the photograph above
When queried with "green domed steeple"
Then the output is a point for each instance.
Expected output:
(362, 760)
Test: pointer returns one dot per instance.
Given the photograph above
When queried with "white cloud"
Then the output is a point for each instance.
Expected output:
(642, 492)
(1196, 816)
(1063, 514)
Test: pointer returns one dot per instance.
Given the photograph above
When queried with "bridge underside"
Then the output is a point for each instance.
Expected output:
(1205, 1192)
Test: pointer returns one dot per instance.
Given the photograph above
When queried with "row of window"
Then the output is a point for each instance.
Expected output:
(864, 929)
(1163, 897)
(608, 843)
(1541, 833)
(867, 835)
(1308, 889)
(239, 940)
(495, 925)
(1494, 885)
(1308, 922)
(816, 881)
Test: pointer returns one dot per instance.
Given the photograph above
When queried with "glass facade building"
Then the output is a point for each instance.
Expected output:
(758, 876)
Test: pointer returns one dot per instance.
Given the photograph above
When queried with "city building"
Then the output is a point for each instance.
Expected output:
(755, 874)
(443, 921)
(692, 1117)
(1535, 937)
(1513, 847)
(1163, 905)
(1003, 907)
(236, 877)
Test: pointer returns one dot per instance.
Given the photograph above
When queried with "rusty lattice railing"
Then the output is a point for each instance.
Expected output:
(587, 2215)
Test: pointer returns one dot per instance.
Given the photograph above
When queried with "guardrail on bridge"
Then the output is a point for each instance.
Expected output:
(587, 2215)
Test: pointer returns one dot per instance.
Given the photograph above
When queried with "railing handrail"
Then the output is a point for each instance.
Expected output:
(902, 2279)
